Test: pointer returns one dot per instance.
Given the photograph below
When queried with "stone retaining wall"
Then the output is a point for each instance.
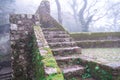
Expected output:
(25, 55)
(97, 40)
(21, 32)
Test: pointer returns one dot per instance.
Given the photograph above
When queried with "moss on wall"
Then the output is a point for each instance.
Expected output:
(43, 61)
(95, 36)
(99, 44)
(38, 65)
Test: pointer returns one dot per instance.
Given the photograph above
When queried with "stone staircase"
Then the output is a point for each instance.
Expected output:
(64, 48)
(5, 73)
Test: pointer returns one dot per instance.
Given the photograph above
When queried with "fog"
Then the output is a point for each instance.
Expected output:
(104, 14)
(97, 8)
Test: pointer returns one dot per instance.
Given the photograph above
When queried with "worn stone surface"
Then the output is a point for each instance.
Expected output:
(21, 31)
(49, 70)
(50, 65)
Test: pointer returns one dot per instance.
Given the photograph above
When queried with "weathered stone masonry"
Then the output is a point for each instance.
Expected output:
(21, 32)
(21, 47)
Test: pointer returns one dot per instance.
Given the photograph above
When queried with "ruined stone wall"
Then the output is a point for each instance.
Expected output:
(21, 31)
(46, 20)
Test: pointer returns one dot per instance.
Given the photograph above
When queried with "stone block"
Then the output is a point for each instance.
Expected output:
(17, 37)
(49, 70)
(14, 27)
(37, 23)
(43, 52)
(21, 28)
(29, 16)
(19, 22)
(22, 15)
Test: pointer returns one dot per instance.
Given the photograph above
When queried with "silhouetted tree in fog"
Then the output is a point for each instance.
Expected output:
(84, 15)
(59, 11)
(114, 14)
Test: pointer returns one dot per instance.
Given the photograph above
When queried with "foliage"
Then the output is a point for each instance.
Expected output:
(37, 62)
(46, 60)
(55, 77)
(92, 69)
(87, 74)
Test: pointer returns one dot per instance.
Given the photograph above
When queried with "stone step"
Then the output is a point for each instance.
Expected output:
(6, 73)
(51, 29)
(98, 43)
(59, 40)
(80, 78)
(68, 60)
(73, 71)
(62, 44)
(56, 36)
(54, 32)
(66, 51)
(7, 76)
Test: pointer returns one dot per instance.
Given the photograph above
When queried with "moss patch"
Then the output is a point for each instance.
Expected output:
(44, 61)
(49, 61)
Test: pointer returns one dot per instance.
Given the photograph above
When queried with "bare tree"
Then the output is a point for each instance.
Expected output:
(59, 11)
(73, 5)
(114, 14)
(85, 14)
(84, 22)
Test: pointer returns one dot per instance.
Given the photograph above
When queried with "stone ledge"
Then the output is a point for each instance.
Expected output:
(51, 68)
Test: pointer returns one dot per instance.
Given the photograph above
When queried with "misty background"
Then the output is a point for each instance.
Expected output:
(74, 15)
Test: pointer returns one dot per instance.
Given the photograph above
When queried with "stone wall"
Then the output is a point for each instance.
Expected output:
(49, 70)
(21, 31)
(46, 20)
(97, 40)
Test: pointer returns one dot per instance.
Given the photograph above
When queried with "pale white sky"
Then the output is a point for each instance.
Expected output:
(30, 6)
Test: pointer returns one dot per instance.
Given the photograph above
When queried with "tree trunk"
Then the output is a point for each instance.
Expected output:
(59, 11)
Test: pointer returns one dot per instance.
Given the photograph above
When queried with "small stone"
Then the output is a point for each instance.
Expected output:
(12, 43)
(21, 28)
(40, 44)
(37, 23)
(21, 51)
(21, 57)
(13, 27)
(29, 16)
(23, 16)
(43, 52)
(17, 37)
(26, 32)
(50, 70)
(78, 50)
(12, 58)
(12, 38)
(19, 22)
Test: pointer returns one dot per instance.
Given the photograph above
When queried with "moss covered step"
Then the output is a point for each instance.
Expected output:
(54, 32)
(95, 36)
(5, 74)
(66, 51)
(57, 36)
(62, 44)
(51, 29)
(98, 43)
(68, 60)
(59, 40)
(73, 71)
(78, 78)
